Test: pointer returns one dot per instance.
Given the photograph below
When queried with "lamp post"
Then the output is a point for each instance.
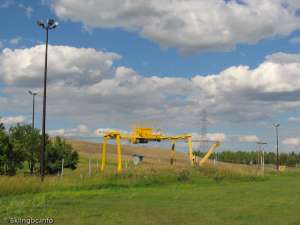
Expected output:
(33, 104)
(276, 125)
(51, 24)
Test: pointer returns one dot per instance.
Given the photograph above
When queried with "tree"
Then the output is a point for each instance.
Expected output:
(23, 140)
(29, 140)
(22, 143)
(56, 151)
(1, 125)
(4, 147)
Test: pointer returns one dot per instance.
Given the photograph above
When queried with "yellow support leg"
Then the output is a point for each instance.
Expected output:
(119, 159)
(103, 153)
(191, 156)
(173, 153)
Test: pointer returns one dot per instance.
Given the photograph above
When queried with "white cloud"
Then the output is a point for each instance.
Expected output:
(249, 138)
(190, 25)
(76, 66)
(294, 119)
(283, 58)
(292, 141)
(85, 87)
(11, 120)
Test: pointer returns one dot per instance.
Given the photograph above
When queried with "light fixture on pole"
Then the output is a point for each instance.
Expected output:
(51, 24)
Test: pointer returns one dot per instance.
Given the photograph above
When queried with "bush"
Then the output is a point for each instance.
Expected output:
(184, 175)
(57, 151)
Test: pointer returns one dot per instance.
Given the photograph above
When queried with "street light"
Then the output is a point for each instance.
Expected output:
(33, 104)
(51, 24)
(276, 125)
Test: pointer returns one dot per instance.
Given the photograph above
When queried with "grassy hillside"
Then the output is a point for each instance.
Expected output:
(151, 155)
(154, 193)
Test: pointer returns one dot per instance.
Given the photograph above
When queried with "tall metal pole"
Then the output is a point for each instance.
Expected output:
(51, 24)
(277, 145)
(42, 160)
(277, 150)
(33, 103)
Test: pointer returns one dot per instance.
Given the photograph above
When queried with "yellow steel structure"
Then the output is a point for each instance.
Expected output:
(212, 148)
(144, 135)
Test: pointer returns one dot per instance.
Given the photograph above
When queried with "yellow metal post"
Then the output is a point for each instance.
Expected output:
(173, 153)
(191, 150)
(119, 159)
(103, 153)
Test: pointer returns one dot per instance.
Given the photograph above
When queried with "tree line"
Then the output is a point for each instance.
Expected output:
(253, 157)
(20, 150)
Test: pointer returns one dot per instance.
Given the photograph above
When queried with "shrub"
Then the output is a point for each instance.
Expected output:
(183, 176)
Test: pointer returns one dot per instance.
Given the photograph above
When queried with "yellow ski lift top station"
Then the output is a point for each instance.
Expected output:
(142, 135)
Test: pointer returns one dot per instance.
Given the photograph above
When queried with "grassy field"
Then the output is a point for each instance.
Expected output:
(155, 193)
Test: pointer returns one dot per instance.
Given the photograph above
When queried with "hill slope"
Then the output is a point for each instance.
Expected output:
(151, 155)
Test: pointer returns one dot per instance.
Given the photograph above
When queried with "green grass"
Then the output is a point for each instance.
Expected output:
(148, 195)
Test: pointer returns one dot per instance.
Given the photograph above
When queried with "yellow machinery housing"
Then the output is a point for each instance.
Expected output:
(143, 135)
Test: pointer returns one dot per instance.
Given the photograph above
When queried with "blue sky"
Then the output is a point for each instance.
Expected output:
(172, 72)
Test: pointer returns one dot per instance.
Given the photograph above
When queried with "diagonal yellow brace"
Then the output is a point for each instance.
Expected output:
(210, 151)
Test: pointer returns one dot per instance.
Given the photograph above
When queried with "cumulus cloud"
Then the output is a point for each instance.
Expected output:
(190, 25)
(85, 87)
(249, 138)
(292, 141)
(68, 65)
(11, 120)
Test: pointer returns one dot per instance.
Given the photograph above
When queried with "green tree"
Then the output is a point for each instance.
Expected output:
(56, 151)
(4, 147)
(22, 145)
